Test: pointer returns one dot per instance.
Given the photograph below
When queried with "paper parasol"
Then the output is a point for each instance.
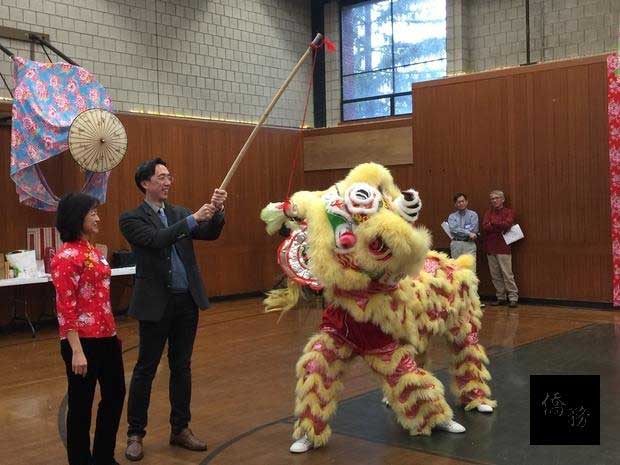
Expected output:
(97, 140)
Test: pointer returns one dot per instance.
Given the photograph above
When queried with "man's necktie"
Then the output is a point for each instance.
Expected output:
(162, 217)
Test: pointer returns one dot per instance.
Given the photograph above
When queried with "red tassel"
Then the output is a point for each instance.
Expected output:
(329, 45)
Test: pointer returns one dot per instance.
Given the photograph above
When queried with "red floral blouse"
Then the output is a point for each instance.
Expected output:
(81, 276)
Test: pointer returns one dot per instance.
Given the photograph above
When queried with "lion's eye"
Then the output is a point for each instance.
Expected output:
(379, 249)
(362, 194)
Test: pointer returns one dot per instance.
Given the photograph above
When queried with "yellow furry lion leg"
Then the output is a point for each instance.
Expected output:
(469, 359)
(416, 396)
(318, 384)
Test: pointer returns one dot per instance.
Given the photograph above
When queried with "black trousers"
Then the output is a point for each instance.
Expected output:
(178, 328)
(105, 365)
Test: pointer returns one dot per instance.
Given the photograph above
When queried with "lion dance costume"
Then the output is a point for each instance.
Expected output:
(387, 293)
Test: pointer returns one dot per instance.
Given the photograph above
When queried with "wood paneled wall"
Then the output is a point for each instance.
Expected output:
(198, 154)
(351, 144)
(540, 135)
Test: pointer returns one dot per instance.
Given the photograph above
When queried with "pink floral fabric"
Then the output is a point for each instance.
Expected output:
(47, 98)
(613, 99)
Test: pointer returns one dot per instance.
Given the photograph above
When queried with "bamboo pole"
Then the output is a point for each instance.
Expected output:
(266, 113)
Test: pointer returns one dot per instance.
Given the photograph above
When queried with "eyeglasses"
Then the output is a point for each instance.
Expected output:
(165, 177)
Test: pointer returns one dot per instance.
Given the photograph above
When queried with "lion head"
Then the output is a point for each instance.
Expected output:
(358, 233)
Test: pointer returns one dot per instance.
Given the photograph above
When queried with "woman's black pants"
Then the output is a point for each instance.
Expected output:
(104, 365)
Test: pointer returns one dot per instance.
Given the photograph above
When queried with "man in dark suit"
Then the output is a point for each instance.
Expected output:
(167, 294)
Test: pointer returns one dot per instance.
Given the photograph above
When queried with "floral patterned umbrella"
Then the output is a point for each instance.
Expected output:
(47, 98)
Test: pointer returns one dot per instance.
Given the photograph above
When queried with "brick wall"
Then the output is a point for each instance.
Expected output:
(493, 33)
(332, 64)
(219, 59)
(457, 38)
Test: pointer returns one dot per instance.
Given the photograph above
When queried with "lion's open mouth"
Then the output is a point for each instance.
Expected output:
(379, 249)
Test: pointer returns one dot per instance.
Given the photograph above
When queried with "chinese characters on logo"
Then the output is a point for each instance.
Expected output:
(554, 406)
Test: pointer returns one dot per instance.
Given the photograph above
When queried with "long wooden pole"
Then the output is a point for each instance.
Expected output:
(264, 116)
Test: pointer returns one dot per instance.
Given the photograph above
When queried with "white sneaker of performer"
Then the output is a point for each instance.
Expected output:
(451, 426)
(484, 408)
(302, 445)
(386, 402)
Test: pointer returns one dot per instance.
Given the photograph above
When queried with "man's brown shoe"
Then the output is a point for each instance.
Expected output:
(498, 302)
(187, 440)
(134, 451)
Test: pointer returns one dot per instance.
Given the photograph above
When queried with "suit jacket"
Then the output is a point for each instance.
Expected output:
(152, 245)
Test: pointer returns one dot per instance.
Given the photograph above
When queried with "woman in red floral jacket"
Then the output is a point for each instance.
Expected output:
(89, 345)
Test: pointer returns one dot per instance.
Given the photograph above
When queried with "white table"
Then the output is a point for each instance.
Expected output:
(128, 270)
(24, 281)
(46, 278)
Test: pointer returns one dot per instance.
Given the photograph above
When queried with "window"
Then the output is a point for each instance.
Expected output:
(386, 45)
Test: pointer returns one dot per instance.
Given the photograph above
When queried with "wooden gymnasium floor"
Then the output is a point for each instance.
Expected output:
(243, 380)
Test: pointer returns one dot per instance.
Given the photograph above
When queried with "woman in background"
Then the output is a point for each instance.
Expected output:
(89, 345)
